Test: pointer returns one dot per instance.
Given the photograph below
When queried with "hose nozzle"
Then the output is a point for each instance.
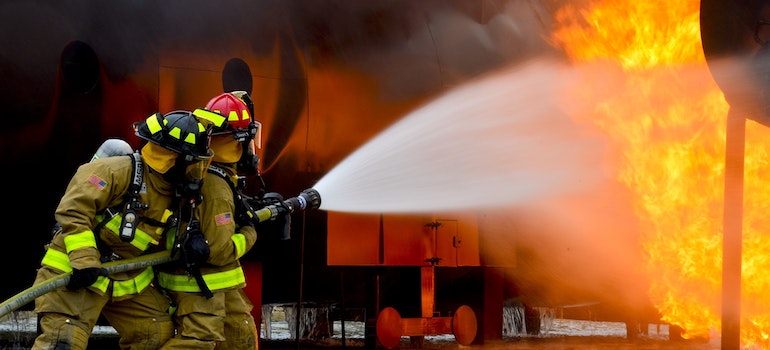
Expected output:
(308, 199)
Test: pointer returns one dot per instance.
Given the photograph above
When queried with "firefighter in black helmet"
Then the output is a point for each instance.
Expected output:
(217, 312)
(116, 208)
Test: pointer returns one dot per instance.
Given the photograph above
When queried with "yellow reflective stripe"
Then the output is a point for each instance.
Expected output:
(234, 117)
(141, 241)
(56, 259)
(164, 219)
(60, 260)
(176, 132)
(215, 281)
(240, 244)
(134, 285)
(215, 118)
(102, 282)
(83, 239)
(225, 279)
(153, 124)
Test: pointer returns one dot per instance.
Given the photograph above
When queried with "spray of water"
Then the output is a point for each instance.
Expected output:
(500, 140)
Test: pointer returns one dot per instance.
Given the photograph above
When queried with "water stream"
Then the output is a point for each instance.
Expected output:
(503, 139)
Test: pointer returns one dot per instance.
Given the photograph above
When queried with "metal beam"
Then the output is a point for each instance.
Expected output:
(733, 230)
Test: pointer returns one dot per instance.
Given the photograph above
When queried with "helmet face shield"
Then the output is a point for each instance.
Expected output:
(256, 135)
(196, 170)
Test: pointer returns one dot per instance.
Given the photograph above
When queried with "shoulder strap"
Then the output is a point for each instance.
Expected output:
(216, 170)
(243, 209)
(137, 176)
(132, 203)
(128, 207)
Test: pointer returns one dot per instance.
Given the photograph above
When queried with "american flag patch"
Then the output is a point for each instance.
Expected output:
(97, 182)
(223, 219)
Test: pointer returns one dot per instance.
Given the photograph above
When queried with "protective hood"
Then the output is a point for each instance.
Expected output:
(158, 158)
(226, 149)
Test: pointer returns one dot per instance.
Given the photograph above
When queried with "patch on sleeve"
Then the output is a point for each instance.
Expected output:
(97, 182)
(223, 219)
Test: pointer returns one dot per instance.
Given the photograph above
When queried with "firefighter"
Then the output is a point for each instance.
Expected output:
(117, 208)
(212, 310)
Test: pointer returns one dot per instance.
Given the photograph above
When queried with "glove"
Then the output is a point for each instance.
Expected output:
(196, 248)
(85, 277)
(242, 217)
(284, 221)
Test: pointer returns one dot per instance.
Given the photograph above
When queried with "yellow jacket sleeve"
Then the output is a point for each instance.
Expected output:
(94, 187)
(217, 218)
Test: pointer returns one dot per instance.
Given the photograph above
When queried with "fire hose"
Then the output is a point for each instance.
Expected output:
(308, 199)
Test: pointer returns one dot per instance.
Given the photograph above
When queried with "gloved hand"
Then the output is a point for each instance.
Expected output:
(196, 249)
(81, 278)
(242, 217)
(284, 220)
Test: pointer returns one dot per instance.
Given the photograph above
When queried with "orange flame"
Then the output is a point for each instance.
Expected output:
(666, 118)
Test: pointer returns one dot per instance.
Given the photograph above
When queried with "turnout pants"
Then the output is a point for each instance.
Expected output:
(200, 322)
(66, 318)
(241, 332)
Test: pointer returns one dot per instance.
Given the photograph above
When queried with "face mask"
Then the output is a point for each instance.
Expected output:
(249, 162)
(196, 171)
(188, 176)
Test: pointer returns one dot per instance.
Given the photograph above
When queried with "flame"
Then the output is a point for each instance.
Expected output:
(651, 92)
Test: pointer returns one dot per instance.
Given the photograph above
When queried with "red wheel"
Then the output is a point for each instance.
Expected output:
(464, 325)
(389, 327)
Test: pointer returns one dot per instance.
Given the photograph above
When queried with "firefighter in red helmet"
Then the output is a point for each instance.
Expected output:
(116, 208)
(217, 313)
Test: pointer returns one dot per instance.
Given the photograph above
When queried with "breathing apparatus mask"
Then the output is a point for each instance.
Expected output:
(249, 161)
(194, 172)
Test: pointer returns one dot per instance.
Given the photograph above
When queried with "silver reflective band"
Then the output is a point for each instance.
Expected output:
(302, 202)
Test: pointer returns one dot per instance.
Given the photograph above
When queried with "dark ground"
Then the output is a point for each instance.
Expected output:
(551, 343)
(18, 333)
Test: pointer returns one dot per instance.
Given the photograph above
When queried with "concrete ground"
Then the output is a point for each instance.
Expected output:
(17, 331)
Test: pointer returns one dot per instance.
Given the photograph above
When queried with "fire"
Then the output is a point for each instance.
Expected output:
(666, 118)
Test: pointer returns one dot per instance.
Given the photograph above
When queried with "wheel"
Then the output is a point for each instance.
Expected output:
(464, 325)
(389, 327)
